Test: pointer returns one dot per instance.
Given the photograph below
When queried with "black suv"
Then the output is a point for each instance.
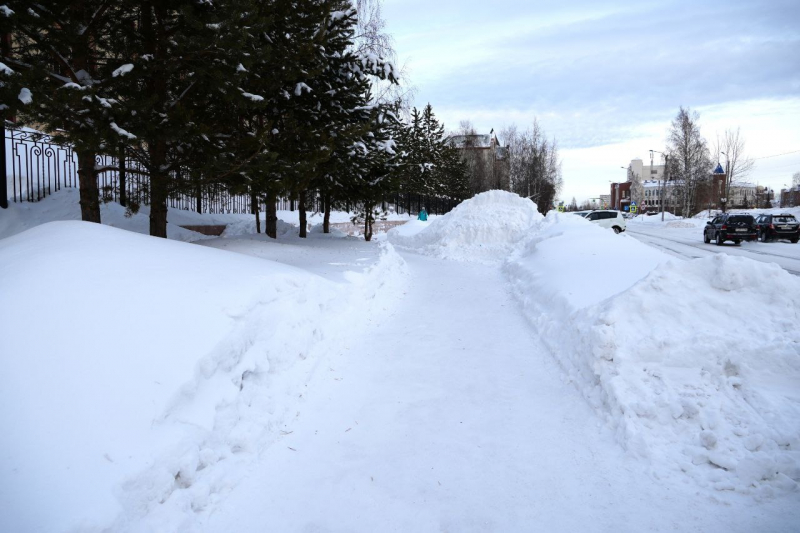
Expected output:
(730, 227)
(777, 227)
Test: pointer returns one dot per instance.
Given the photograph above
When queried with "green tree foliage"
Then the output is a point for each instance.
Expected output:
(261, 97)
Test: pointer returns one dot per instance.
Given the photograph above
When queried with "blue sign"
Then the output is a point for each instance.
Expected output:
(633, 203)
(626, 208)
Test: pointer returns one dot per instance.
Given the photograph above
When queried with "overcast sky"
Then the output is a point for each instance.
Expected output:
(605, 78)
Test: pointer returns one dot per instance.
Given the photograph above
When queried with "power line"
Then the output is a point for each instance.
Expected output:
(776, 155)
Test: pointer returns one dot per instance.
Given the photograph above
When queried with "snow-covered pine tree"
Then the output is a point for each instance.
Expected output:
(337, 110)
(174, 78)
(61, 51)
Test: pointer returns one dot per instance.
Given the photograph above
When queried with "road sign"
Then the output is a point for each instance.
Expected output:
(634, 208)
(561, 208)
(633, 204)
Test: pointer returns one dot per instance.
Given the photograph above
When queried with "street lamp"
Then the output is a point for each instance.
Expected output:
(664, 181)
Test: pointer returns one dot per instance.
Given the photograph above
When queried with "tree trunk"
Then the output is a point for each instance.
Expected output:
(198, 197)
(271, 228)
(87, 183)
(123, 182)
(326, 221)
(368, 223)
(301, 207)
(159, 180)
(255, 209)
(3, 168)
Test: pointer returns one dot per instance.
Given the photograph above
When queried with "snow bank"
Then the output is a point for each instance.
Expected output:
(697, 365)
(484, 229)
(63, 205)
(140, 377)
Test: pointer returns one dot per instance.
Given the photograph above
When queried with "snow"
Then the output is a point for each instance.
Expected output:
(4, 68)
(253, 97)
(124, 69)
(499, 369)
(63, 205)
(175, 391)
(122, 132)
(484, 229)
(25, 96)
(692, 362)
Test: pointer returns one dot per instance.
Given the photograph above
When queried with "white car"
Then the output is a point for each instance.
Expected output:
(607, 218)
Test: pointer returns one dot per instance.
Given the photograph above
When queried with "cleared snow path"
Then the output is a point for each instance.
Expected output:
(451, 416)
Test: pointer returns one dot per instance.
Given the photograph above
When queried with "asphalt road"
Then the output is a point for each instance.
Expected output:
(687, 243)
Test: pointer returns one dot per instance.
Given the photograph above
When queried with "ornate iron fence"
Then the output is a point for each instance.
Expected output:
(36, 166)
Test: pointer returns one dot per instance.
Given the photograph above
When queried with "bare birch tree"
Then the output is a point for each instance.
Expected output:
(534, 165)
(689, 159)
(737, 164)
(371, 38)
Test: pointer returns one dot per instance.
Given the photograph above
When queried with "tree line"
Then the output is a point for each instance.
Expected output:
(266, 98)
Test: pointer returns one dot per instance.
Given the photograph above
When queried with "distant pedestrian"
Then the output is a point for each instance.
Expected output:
(423, 215)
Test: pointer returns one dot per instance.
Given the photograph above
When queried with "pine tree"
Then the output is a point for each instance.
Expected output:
(61, 52)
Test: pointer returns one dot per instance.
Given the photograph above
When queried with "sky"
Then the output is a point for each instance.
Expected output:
(606, 78)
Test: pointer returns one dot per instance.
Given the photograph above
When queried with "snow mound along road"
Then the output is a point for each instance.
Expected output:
(485, 228)
(697, 365)
(140, 377)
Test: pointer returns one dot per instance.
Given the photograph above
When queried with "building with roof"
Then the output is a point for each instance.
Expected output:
(486, 158)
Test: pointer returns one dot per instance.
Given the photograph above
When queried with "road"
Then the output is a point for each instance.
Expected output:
(687, 243)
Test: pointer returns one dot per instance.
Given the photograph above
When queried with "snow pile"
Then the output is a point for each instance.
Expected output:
(485, 228)
(697, 365)
(141, 377)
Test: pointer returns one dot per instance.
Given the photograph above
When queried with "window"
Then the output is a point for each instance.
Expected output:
(653, 171)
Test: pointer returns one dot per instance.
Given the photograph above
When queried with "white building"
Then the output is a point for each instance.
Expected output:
(646, 172)
(652, 194)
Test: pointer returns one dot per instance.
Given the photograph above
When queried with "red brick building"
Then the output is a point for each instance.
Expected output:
(620, 195)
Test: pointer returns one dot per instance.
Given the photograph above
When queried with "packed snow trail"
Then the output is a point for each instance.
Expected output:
(451, 416)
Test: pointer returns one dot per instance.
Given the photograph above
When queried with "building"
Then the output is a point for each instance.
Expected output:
(790, 197)
(653, 189)
(646, 172)
(620, 196)
(486, 159)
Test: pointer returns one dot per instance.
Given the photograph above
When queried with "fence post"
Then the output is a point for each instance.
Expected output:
(123, 195)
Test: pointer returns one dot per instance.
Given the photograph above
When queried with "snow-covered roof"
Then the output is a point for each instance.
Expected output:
(470, 141)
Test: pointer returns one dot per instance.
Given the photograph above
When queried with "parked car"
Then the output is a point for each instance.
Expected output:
(607, 218)
(770, 227)
(581, 213)
(730, 227)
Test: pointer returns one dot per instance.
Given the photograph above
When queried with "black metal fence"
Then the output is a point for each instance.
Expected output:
(36, 166)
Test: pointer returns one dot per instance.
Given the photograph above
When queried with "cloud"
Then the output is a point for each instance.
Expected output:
(607, 76)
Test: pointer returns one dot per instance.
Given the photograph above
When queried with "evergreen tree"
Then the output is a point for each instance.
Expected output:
(60, 49)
